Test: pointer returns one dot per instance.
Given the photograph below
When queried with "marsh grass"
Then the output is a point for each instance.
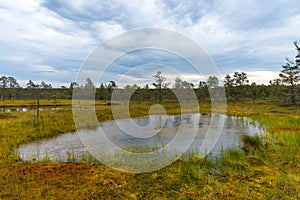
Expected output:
(269, 172)
(252, 142)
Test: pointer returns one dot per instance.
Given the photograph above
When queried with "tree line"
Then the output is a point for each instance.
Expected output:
(284, 88)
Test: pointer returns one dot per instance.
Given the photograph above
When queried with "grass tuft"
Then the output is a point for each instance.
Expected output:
(251, 142)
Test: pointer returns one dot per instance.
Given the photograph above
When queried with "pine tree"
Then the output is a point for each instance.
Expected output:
(290, 73)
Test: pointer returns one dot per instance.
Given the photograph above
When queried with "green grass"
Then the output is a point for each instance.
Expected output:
(271, 171)
(252, 142)
(42, 103)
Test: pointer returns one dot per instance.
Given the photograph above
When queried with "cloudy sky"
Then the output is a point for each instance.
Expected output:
(50, 39)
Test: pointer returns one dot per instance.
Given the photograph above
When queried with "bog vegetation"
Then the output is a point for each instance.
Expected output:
(267, 167)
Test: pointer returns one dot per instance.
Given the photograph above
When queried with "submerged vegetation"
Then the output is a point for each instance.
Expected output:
(268, 170)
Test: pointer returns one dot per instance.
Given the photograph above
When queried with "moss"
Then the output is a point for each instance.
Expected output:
(271, 172)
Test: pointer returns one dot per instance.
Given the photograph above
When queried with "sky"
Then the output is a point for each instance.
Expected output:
(48, 40)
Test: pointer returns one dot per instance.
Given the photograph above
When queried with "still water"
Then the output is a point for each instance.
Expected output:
(154, 132)
(8, 110)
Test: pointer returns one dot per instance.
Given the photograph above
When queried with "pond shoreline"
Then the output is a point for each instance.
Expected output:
(266, 172)
(75, 145)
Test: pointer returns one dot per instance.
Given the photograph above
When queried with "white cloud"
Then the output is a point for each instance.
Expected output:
(107, 30)
(54, 84)
(261, 77)
(36, 30)
(42, 68)
(54, 37)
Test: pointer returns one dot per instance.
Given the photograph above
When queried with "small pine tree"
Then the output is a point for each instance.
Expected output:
(290, 73)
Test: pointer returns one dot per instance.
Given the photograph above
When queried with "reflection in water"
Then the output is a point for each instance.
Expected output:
(6, 110)
(156, 131)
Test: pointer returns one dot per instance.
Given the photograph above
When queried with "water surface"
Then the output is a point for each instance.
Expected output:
(156, 132)
(21, 109)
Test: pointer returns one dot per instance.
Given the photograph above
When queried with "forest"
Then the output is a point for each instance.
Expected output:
(264, 166)
(284, 88)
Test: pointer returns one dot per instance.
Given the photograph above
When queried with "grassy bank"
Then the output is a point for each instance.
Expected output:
(41, 103)
(268, 172)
